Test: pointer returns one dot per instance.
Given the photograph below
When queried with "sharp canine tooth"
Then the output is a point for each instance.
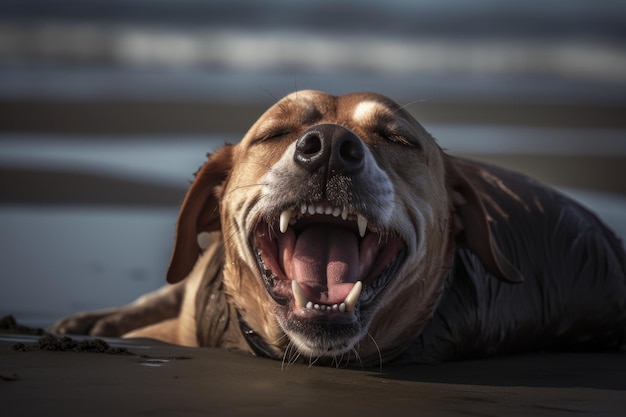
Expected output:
(353, 297)
(362, 222)
(285, 216)
(298, 295)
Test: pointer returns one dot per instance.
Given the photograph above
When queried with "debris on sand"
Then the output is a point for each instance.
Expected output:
(67, 344)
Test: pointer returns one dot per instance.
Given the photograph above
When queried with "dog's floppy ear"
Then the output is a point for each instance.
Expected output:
(199, 213)
(472, 224)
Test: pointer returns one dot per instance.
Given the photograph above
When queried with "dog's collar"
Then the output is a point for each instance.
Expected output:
(256, 342)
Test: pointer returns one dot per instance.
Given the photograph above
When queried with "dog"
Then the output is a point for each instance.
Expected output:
(338, 231)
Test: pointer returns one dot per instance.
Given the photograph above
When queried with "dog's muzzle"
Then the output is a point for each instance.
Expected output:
(322, 244)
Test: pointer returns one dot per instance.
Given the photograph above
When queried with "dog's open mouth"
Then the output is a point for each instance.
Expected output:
(322, 261)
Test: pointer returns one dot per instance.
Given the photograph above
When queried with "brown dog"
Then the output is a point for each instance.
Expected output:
(338, 230)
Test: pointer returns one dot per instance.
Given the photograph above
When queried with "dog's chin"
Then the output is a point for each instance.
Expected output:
(324, 338)
(327, 275)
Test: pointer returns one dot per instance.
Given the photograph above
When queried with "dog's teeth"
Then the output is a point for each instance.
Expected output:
(336, 212)
(285, 217)
(303, 208)
(301, 300)
(353, 296)
(299, 296)
(311, 209)
(362, 222)
(344, 213)
(319, 209)
(328, 210)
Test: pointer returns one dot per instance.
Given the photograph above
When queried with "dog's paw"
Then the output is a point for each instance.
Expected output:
(91, 323)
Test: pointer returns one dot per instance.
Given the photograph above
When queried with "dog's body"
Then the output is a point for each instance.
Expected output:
(338, 230)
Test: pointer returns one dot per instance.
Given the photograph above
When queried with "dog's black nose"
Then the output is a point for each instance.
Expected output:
(332, 147)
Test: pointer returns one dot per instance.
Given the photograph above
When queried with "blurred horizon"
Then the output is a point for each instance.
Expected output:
(238, 50)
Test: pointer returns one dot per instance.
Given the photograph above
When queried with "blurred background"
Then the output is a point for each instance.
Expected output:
(107, 107)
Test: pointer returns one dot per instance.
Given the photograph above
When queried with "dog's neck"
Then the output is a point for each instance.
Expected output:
(255, 341)
(217, 320)
(212, 307)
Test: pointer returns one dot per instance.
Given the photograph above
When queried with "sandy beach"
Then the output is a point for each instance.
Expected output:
(163, 380)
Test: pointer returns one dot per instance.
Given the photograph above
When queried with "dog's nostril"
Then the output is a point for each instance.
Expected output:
(311, 151)
(348, 154)
(310, 144)
(351, 151)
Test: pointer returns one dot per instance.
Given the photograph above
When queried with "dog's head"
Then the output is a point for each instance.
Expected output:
(339, 217)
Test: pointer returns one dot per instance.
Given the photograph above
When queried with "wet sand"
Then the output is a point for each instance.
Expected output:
(163, 380)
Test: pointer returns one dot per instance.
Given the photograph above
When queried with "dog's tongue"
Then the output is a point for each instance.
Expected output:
(326, 262)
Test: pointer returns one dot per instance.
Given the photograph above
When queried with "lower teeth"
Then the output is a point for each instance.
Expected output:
(323, 307)
(347, 305)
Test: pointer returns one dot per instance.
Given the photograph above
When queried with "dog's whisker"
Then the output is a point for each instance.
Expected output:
(290, 356)
(407, 105)
(380, 356)
(337, 360)
(357, 357)
(268, 167)
(271, 95)
(340, 360)
(227, 235)
(312, 361)
(295, 356)
(285, 361)
(285, 353)
(346, 359)
(244, 187)
(280, 339)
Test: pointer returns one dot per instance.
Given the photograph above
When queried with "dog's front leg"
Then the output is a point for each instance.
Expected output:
(151, 308)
